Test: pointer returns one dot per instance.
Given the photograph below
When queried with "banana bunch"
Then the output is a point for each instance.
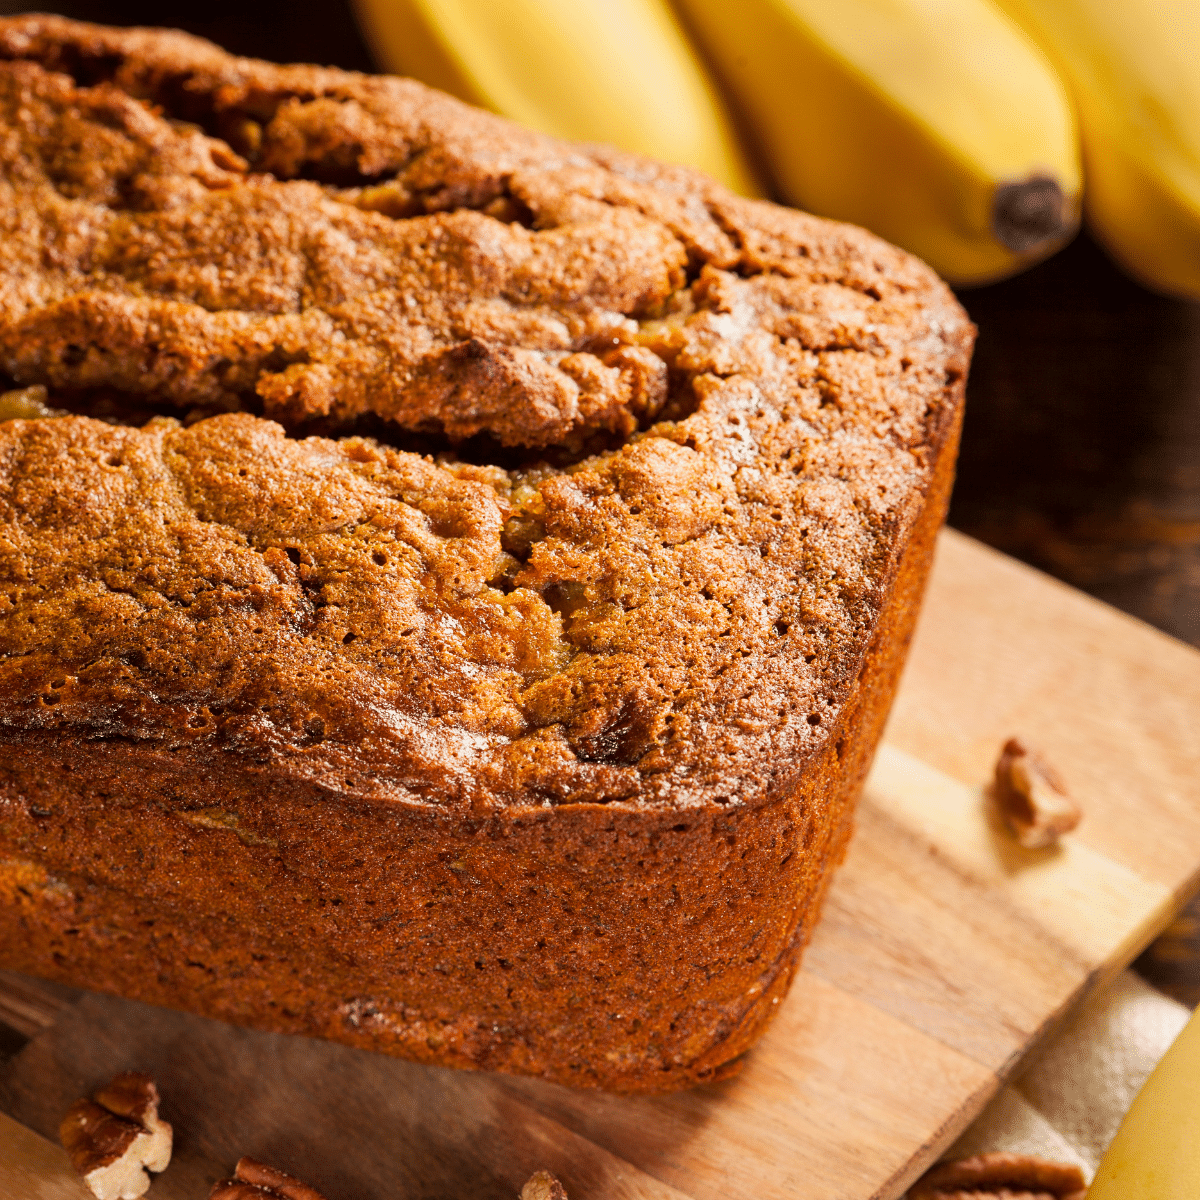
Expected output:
(943, 125)
(1156, 1153)
(1133, 69)
(616, 71)
(935, 123)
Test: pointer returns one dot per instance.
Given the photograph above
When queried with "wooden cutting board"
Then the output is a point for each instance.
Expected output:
(945, 953)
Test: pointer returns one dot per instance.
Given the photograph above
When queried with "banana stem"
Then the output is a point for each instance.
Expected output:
(1030, 213)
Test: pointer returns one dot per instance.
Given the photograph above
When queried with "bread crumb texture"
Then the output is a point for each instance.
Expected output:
(644, 454)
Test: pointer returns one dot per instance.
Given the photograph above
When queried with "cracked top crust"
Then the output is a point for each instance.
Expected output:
(700, 427)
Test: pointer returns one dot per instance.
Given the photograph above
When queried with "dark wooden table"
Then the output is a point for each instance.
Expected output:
(1082, 445)
(1081, 453)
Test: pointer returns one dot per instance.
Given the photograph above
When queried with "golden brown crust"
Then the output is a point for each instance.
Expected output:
(651, 624)
(754, 537)
(527, 940)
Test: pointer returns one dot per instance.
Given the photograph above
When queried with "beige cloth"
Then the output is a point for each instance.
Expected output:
(1070, 1097)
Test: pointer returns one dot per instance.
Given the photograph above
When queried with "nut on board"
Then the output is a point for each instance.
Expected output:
(1002, 1175)
(253, 1180)
(1032, 798)
(541, 1185)
(116, 1137)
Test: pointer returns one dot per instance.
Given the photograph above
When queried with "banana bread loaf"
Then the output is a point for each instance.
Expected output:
(457, 600)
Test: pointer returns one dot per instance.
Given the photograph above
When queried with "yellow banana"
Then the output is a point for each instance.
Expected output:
(1134, 71)
(936, 123)
(616, 71)
(1156, 1153)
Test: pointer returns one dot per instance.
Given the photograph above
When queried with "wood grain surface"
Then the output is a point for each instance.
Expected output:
(945, 953)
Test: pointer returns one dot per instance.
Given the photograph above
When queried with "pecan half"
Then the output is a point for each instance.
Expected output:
(255, 1181)
(541, 1185)
(1010, 1176)
(1032, 798)
(116, 1137)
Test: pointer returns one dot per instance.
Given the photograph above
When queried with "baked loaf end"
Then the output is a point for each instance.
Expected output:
(468, 628)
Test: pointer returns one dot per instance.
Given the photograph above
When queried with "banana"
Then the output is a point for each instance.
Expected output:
(1134, 71)
(938, 124)
(1156, 1153)
(616, 71)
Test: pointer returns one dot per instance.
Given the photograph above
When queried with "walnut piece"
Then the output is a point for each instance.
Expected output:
(1011, 1176)
(116, 1137)
(1032, 798)
(255, 1181)
(541, 1185)
(26, 404)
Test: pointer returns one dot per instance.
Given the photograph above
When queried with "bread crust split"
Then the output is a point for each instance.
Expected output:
(460, 613)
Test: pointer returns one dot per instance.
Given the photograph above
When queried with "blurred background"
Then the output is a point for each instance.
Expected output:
(1081, 452)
